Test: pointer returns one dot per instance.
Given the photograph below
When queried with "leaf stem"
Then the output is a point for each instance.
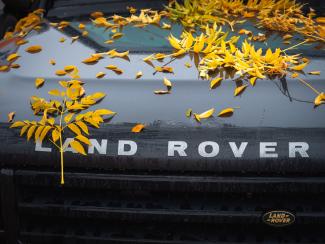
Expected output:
(61, 151)
(308, 85)
(292, 47)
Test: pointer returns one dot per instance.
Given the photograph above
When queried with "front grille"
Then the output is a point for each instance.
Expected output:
(164, 208)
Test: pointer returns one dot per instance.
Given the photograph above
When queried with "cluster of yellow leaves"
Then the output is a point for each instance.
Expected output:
(279, 15)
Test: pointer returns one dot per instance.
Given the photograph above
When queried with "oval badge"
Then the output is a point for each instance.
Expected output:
(279, 218)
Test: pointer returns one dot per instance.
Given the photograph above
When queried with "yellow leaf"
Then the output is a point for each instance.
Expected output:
(299, 67)
(174, 42)
(85, 33)
(199, 44)
(239, 90)
(314, 72)
(294, 75)
(69, 68)
(253, 81)
(81, 26)
(188, 113)
(287, 37)
(24, 129)
(161, 92)
(30, 132)
(4, 68)
(33, 49)
(78, 147)
(68, 118)
(11, 116)
(117, 36)
(39, 82)
(197, 117)
(38, 132)
(44, 133)
(138, 128)
(55, 135)
(83, 139)
(62, 39)
(215, 83)
(206, 114)
(100, 75)
(103, 112)
(168, 84)
(320, 99)
(109, 42)
(21, 42)
(74, 38)
(226, 112)
(139, 75)
(18, 124)
(92, 60)
(164, 69)
(83, 127)
(13, 57)
(52, 62)
(98, 95)
(55, 92)
(114, 54)
(60, 72)
(188, 65)
(166, 26)
(74, 129)
(320, 20)
(15, 66)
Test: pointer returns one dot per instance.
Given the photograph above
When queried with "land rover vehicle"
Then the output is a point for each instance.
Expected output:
(178, 181)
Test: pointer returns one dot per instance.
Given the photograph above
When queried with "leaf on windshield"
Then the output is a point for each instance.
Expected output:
(117, 36)
(34, 49)
(39, 82)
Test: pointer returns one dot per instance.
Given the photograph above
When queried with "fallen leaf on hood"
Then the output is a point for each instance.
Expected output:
(188, 65)
(168, 84)
(164, 69)
(113, 54)
(314, 72)
(62, 39)
(34, 49)
(117, 36)
(115, 69)
(299, 67)
(253, 81)
(39, 82)
(52, 62)
(92, 60)
(188, 113)
(215, 83)
(4, 68)
(295, 75)
(239, 90)
(15, 66)
(161, 92)
(226, 112)
(100, 75)
(21, 42)
(11, 116)
(139, 75)
(320, 99)
(320, 20)
(69, 68)
(207, 114)
(60, 73)
(138, 128)
(287, 37)
(13, 57)
(85, 33)
(74, 38)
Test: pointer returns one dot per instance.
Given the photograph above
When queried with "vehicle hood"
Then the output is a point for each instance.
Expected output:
(273, 110)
